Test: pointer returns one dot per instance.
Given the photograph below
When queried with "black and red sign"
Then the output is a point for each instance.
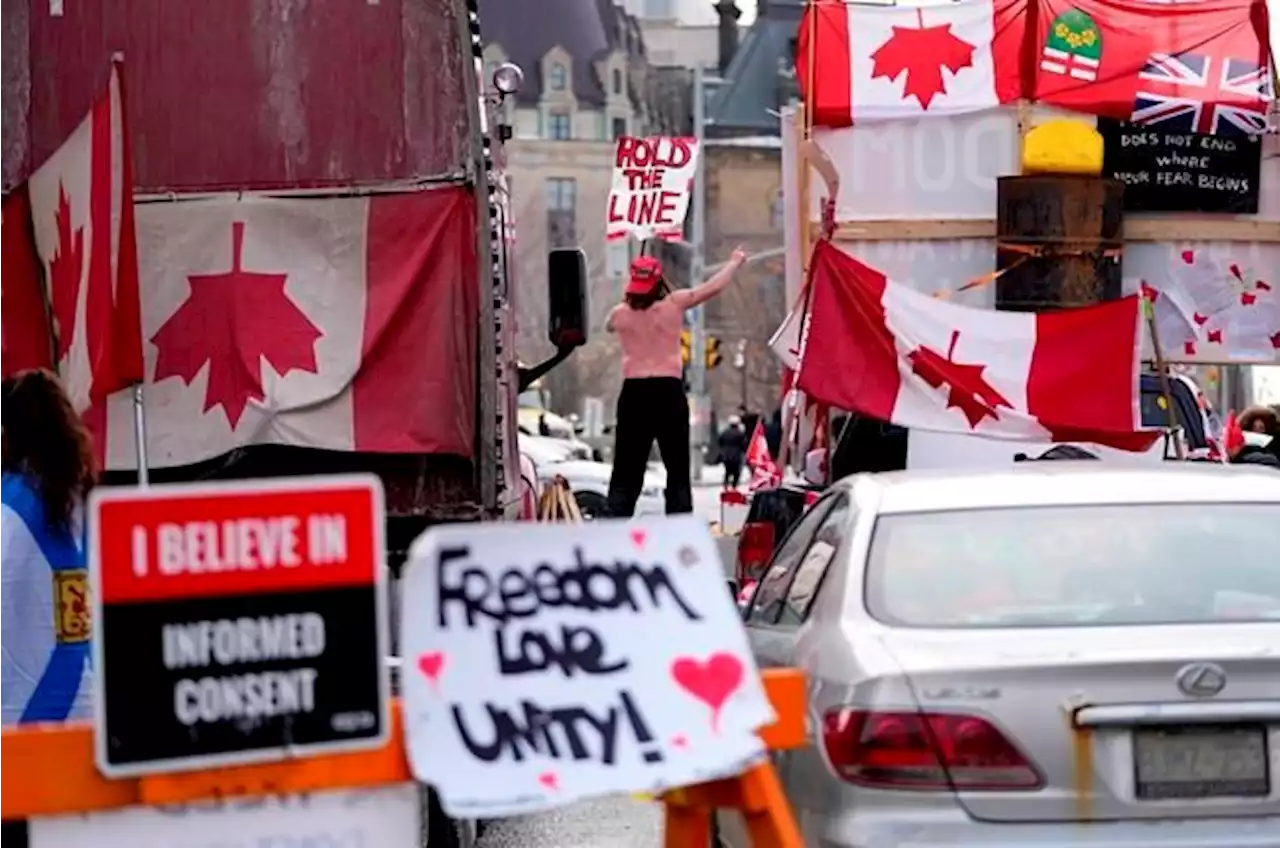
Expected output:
(237, 623)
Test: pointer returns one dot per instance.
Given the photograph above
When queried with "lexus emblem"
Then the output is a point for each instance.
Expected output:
(1201, 680)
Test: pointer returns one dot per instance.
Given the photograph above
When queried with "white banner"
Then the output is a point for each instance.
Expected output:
(652, 182)
(555, 662)
(387, 817)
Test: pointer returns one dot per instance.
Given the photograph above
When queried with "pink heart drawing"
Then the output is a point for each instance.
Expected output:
(1189, 256)
(711, 682)
(637, 538)
(431, 664)
(549, 780)
(680, 741)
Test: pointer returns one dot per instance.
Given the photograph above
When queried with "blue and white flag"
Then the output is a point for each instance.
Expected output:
(44, 598)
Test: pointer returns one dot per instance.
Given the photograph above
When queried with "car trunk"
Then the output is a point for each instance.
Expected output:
(1085, 705)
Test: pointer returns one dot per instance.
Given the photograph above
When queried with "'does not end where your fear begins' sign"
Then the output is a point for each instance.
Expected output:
(549, 663)
(237, 622)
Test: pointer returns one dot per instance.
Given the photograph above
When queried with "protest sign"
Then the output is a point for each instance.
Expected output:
(237, 622)
(388, 817)
(557, 662)
(652, 181)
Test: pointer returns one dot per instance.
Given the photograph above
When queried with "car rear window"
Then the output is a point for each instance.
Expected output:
(1077, 566)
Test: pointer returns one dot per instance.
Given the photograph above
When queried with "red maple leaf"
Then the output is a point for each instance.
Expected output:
(66, 269)
(233, 321)
(967, 389)
(922, 53)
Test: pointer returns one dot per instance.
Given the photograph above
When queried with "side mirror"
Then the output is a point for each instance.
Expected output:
(567, 297)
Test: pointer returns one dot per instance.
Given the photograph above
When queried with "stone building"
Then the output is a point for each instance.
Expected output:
(587, 81)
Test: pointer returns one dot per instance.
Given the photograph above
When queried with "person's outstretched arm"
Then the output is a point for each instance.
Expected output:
(689, 298)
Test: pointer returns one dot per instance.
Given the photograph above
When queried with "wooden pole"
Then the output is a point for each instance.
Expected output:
(1162, 373)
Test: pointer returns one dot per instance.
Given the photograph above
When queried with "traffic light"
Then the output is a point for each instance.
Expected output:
(685, 342)
(713, 352)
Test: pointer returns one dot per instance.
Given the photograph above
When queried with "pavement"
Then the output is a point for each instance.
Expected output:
(615, 822)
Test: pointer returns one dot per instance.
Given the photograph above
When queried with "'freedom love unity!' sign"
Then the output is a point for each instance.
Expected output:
(553, 662)
(652, 180)
(237, 622)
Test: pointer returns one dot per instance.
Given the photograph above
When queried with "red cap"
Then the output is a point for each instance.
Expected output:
(646, 272)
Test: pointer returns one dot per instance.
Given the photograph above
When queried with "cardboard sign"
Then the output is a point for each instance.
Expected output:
(1182, 172)
(557, 662)
(238, 622)
(387, 817)
(652, 181)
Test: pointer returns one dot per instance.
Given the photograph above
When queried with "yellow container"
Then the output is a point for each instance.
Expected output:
(1062, 146)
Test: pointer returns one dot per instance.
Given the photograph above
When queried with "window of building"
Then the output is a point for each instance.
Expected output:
(558, 126)
(617, 81)
(559, 77)
(619, 127)
(562, 194)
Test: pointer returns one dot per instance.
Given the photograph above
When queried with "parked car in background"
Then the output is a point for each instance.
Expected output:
(996, 658)
(588, 479)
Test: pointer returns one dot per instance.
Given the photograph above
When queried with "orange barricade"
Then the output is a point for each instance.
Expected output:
(50, 770)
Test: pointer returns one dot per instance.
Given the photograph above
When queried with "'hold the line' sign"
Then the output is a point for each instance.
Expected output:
(549, 663)
(652, 182)
(238, 623)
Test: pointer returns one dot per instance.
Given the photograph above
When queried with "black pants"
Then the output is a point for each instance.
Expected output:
(732, 471)
(650, 408)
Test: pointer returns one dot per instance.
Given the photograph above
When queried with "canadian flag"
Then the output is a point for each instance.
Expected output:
(25, 341)
(884, 350)
(876, 62)
(82, 222)
(764, 471)
(342, 324)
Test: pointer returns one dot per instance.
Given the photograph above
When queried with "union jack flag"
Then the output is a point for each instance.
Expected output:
(1191, 92)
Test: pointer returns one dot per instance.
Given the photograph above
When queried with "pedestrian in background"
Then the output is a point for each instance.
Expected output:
(733, 448)
(48, 470)
(652, 405)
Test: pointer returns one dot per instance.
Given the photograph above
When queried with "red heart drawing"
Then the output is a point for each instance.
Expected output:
(1188, 256)
(1247, 299)
(1200, 319)
(1215, 336)
(549, 780)
(431, 664)
(711, 682)
(680, 741)
(1235, 271)
(637, 538)
(1189, 348)
(1151, 294)
(1261, 285)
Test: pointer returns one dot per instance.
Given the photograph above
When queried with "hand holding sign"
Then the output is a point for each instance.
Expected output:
(566, 661)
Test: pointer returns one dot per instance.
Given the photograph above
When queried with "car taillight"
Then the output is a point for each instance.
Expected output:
(755, 546)
(912, 750)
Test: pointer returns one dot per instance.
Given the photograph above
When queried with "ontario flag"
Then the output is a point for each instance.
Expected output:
(1197, 67)
(329, 323)
(881, 349)
(874, 62)
(81, 202)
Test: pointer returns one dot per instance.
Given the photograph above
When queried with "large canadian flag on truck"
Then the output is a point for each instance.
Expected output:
(338, 323)
(80, 202)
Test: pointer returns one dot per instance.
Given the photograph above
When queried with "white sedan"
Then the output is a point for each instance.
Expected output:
(1058, 654)
(589, 480)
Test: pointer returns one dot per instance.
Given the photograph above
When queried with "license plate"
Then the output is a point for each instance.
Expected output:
(1201, 761)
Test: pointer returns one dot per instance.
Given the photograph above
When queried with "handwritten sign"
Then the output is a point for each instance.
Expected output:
(652, 180)
(552, 663)
(238, 623)
(1182, 172)
(386, 817)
